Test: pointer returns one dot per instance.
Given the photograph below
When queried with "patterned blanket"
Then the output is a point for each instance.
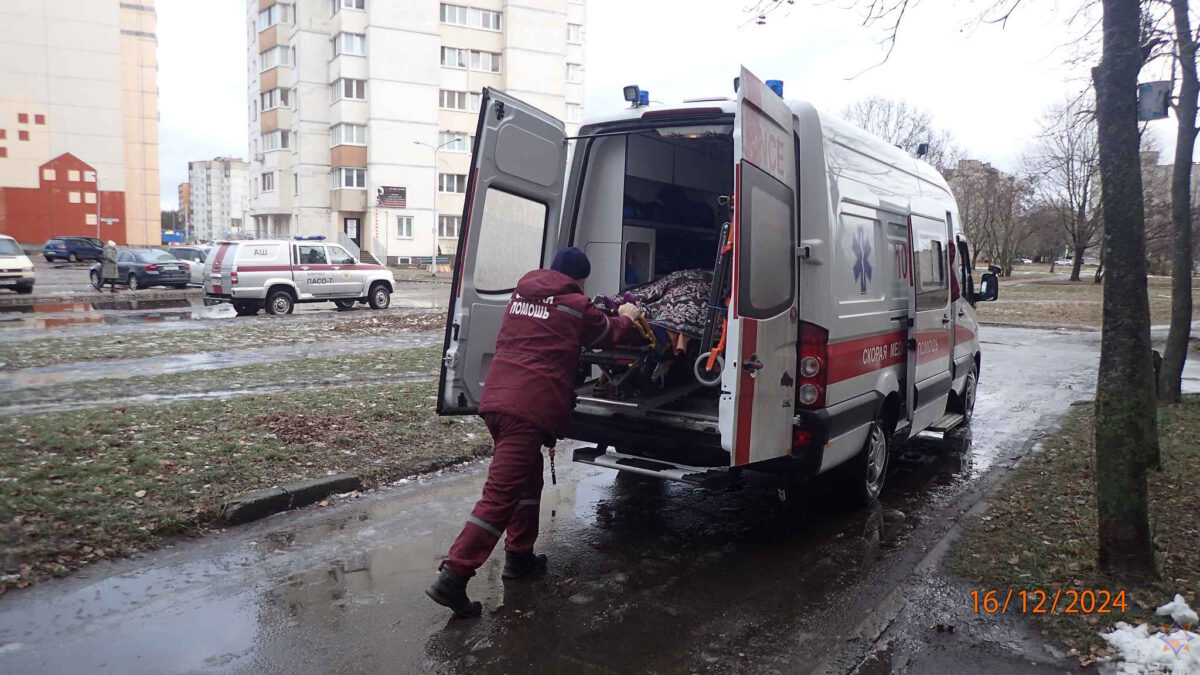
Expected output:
(678, 302)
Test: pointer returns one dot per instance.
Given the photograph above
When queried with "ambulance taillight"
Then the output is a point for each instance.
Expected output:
(812, 365)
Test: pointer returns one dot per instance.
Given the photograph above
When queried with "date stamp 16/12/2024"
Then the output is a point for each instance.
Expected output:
(1037, 601)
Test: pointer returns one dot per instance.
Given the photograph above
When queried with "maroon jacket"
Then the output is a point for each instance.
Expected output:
(532, 375)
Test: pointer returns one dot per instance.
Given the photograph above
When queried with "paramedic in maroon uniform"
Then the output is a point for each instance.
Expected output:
(526, 404)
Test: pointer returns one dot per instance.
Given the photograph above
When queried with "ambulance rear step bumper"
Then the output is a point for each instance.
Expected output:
(947, 422)
(611, 459)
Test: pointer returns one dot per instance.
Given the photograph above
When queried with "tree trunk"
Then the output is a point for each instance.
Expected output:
(1181, 211)
(1126, 421)
(1100, 267)
(1077, 264)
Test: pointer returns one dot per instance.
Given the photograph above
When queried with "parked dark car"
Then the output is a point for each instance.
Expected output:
(142, 268)
(73, 249)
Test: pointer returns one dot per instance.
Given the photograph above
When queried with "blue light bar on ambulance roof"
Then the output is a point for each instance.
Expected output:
(776, 86)
(643, 98)
(309, 237)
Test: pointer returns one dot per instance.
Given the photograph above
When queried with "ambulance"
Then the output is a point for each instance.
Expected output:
(845, 302)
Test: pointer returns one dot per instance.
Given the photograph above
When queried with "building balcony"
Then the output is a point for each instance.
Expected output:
(348, 155)
(348, 200)
(274, 119)
(275, 77)
(263, 4)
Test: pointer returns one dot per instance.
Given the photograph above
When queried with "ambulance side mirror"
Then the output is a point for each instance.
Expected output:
(989, 288)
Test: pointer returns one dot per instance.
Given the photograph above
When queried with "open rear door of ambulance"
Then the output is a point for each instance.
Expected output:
(509, 222)
(759, 381)
(930, 328)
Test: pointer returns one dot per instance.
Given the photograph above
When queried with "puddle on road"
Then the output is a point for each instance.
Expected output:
(116, 312)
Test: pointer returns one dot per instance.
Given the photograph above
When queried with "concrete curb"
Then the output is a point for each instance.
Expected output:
(262, 503)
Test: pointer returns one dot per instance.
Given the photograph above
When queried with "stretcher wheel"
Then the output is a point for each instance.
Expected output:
(706, 377)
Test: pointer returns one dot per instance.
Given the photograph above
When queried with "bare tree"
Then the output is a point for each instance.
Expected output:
(1065, 167)
(1126, 415)
(991, 205)
(904, 125)
(1175, 355)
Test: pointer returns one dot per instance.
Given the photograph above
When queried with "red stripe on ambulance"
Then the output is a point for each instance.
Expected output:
(745, 407)
(865, 355)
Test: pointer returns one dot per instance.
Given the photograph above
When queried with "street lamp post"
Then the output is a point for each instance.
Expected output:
(436, 187)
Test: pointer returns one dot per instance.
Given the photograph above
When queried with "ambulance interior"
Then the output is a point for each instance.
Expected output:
(649, 216)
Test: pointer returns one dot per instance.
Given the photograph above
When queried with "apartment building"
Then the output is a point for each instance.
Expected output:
(361, 112)
(218, 198)
(185, 208)
(79, 120)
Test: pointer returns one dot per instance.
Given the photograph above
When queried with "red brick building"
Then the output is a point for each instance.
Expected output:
(64, 203)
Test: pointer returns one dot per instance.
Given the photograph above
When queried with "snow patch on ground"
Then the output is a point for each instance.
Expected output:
(1175, 653)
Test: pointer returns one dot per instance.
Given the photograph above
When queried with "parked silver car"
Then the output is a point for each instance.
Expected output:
(276, 274)
(194, 256)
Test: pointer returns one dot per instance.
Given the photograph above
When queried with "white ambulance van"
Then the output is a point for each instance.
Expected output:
(275, 274)
(844, 295)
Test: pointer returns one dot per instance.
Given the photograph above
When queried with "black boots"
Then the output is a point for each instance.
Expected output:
(450, 590)
(517, 564)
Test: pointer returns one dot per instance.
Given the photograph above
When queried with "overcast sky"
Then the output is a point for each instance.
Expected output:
(988, 85)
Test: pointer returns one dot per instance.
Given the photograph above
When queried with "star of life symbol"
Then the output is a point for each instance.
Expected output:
(1178, 644)
(862, 260)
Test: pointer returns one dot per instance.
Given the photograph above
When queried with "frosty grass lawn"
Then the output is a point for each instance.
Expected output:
(1039, 533)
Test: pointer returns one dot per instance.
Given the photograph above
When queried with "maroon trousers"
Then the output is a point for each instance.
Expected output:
(511, 496)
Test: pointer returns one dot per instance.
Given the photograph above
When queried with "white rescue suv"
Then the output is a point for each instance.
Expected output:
(276, 274)
(842, 317)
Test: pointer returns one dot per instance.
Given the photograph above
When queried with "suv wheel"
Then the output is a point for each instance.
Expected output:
(71, 257)
(133, 282)
(95, 277)
(280, 302)
(380, 297)
(49, 258)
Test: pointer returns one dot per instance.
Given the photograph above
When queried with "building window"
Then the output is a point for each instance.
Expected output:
(3, 134)
(448, 227)
(274, 98)
(89, 219)
(347, 177)
(89, 176)
(574, 72)
(575, 33)
(3, 152)
(348, 4)
(22, 135)
(404, 227)
(89, 198)
(348, 134)
(455, 14)
(39, 119)
(454, 58)
(448, 100)
(295, 183)
(275, 14)
(275, 56)
(22, 118)
(346, 88)
(73, 175)
(487, 62)
(73, 197)
(483, 18)
(452, 182)
(49, 174)
(476, 100)
(574, 112)
(350, 43)
(454, 141)
(268, 182)
(275, 140)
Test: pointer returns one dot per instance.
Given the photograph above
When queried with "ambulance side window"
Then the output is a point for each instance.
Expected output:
(766, 245)
(312, 255)
(964, 259)
(933, 291)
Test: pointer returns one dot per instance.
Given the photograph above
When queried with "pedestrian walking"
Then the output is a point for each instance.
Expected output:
(526, 403)
(108, 268)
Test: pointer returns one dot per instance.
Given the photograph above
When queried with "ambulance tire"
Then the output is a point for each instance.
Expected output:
(964, 404)
(379, 297)
(345, 305)
(280, 302)
(862, 477)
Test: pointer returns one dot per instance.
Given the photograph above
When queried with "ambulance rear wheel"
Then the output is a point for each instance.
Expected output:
(862, 477)
(246, 308)
(345, 305)
(380, 297)
(280, 302)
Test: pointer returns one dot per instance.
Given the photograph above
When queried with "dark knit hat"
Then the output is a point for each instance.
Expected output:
(572, 262)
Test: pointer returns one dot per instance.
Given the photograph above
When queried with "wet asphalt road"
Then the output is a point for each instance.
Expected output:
(645, 576)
